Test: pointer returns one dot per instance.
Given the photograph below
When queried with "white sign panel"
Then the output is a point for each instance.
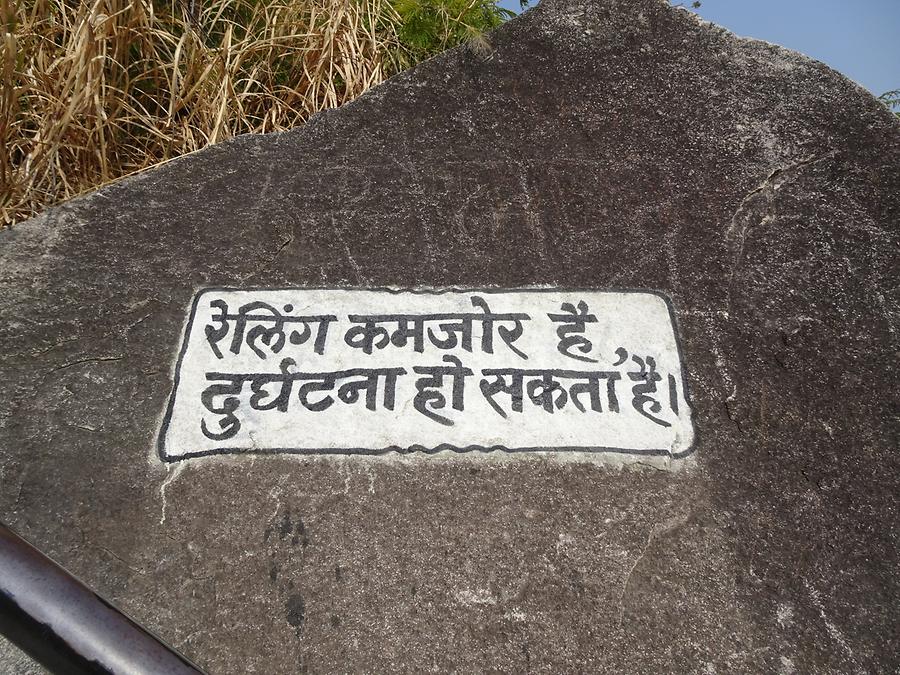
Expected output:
(339, 371)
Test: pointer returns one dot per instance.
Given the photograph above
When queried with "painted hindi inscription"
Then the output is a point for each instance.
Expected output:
(359, 371)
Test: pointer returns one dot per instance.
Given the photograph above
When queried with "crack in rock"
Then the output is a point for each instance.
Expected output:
(758, 208)
(658, 530)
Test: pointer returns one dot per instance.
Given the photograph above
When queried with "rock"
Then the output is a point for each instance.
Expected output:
(602, 144)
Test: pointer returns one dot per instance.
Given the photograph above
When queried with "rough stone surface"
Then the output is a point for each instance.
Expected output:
(602, 144)
(15, 661)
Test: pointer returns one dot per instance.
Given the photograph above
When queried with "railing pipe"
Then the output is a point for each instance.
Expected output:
(68, 628)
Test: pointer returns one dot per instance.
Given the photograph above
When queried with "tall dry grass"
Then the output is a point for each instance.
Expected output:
(97, 89)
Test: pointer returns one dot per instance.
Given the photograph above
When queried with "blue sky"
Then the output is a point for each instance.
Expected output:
(860, 38)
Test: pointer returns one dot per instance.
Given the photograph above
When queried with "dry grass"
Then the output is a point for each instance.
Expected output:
(99, 89)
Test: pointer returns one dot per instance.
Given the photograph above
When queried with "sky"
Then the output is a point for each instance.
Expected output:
(860, 38)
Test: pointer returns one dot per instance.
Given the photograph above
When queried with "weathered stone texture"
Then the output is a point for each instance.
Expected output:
(602, 144)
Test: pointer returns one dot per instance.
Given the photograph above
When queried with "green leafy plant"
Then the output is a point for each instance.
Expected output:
(430, 26)
(892, 100)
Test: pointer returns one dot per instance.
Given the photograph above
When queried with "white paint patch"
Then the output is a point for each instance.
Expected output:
(516, 615)
(171, 474)
(784, 614)
(833, 630)
(326, 371)
(477, 596)
(564, 541)
(786, 666)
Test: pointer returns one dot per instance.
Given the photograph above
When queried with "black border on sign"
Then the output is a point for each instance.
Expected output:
(660, 452)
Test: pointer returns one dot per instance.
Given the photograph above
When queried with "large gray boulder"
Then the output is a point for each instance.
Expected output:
(602, 144)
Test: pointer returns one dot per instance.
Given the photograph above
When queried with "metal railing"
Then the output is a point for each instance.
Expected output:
(66, 627)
